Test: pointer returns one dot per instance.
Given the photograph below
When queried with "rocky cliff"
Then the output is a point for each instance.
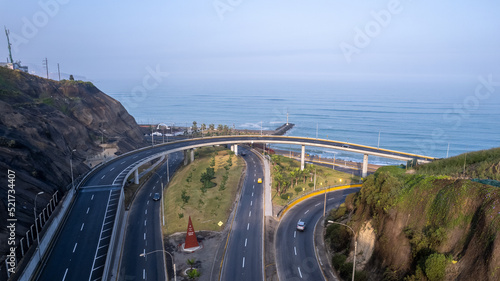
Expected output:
(44, 123)
(431, 223)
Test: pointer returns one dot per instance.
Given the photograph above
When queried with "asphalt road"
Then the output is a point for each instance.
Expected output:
(143, 231)
(243, 259)
(79, 253)
(295, 250)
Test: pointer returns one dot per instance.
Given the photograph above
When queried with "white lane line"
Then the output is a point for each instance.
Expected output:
(295, 234)
(88, 209)
(122, 162)
(252, 194)
(250, 214)
(146, 212)
(300, 273)
(251, 203)
(317, 205)
(253, 180)
(74, 248)
(103, 177)
(331, 199)
(253, 186)
(306, 212)
(248, 226)
(145, 222)
(147, 203)
(243, 262)
(246, 242)
(112, 169)
(150, 194)
(144, 274)
(92, 197)
(295, 250)
(254, 175)
(154, 187)
(66, 272)
(81, 228)
(144, 235)
(157, 181)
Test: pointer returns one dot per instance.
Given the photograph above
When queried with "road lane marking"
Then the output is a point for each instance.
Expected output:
(319, 258)
(295, 250)
(300, 273)
(317, 205)
(82, 226)
(243, 262)
(92, 197)
(66, 272)
(154, 187)
(253, 180)
(147, 203)
(74, 248)
(112, 169)
(146, 212)
(88, 209)
(122, 162)
(144, 235)
(144, 274)
(253, 186)
(251, 203)
(248, 226)
(250, 214)
(103, 177)
(306, 212)
(246, 242)
(295, 234)
(150, 194)
(252, 194)
(145, 222)
(331, 199)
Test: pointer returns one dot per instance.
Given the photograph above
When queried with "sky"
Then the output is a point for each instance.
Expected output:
(119, 43)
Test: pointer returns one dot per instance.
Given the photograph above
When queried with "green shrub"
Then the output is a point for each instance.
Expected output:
(338, 260)
(298, 190)
(286, 196)
(345, 271)
(310, 184)
(435, 267)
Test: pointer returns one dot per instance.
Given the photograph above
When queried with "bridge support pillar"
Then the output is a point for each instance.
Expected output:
(186, 158)
(192, 155)
(232, 147)
(365, 166)
(302, 157)
(136, 176)
(235, 149)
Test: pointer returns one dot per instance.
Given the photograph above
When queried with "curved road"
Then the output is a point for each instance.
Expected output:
(295, 250)
(80, 251)
(243, 259)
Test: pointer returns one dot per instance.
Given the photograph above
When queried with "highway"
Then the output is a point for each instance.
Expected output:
(143, 231)
(295, 250)
(243, 259)
(79, 252)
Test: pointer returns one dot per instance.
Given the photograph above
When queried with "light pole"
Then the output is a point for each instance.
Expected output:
(145, 254)
(355, 245)
(71, 167)
(36, 226)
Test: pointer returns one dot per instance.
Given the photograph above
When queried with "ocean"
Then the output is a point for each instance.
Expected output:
(433, 117)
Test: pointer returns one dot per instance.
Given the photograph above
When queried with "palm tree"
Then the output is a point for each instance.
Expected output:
(191, 263)
(193, 274)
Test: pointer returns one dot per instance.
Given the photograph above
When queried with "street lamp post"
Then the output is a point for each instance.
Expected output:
(145, 254)
(36, 226)
(355, 246)
(162, 207)
(71, 167)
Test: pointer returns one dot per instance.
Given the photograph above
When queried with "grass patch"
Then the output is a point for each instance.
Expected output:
(290, 183)
(186, 195)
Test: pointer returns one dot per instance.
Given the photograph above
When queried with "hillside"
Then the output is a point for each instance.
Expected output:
(42, 121)
(431, 223)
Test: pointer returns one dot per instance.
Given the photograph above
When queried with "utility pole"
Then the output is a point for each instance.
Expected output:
(8, 44)
(58, 71)
(46, 64)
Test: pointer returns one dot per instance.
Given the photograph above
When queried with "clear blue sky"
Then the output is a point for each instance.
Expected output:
(117, 40)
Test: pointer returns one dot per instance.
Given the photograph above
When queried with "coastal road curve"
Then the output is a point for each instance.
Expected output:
(243, 258)
(295, 250)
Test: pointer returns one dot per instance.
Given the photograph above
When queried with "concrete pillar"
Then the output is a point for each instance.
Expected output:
(232, 147)
(236, 149)
(186, 159)
(136, 175)
(302, 157)
(365, 166)
(192, 155)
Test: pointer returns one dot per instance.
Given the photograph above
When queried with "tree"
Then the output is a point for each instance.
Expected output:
(220, 127)
(195, 127)
(191, 263)
(193, 274)
(71, 78)
(203, 127)
(211, 127)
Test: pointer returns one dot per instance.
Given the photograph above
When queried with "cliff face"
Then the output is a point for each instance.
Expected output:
(424, 226)
(41, 122)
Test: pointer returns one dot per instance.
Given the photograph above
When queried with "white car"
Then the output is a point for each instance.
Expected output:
(301, 226)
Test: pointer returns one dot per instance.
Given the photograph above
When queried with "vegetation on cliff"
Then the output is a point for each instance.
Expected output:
(433, 223)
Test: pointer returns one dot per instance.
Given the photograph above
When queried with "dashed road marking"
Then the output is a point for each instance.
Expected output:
(295, 250)
(74, 248)
(92, 197)
(88, 209)
(251, 203)
(145, 222)
(317, 205)
(81, 228)
(248, 226)
(250, 214)
(295, 234)
(246, 242)
(146, 211)
(300, 273)
(112, 169)
(103, 177)
(66, 272)
(243, 262)
(306, 212)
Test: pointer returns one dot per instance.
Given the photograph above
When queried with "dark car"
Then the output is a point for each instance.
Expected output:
(156, 197)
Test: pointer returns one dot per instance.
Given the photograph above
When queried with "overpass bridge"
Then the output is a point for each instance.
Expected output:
(97, 213)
